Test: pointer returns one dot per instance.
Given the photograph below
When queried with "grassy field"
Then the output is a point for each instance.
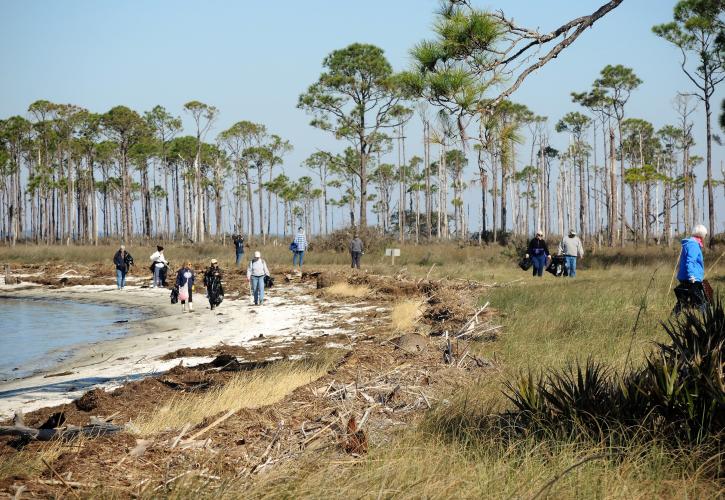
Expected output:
(612, 310)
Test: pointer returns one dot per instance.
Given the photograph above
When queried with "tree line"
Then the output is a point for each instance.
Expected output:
(69, 174)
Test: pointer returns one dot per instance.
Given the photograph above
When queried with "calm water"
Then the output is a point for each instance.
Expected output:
(37, 334)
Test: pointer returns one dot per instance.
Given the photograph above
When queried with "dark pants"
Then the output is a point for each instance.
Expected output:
(355, 259)
(690, 295)
(539, 263)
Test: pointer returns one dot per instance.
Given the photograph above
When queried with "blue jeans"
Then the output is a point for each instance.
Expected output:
(157, 276)
(570, 265)
(298, 255)
(120, 278)
(539, 263)
(257, 289)
(239, 258)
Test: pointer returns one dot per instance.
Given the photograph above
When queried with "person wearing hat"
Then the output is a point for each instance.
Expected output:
(213, 284)
(158, 263)
(691, 272)
(538, 252)
(123, 261)
(571, 248)
(256, 271)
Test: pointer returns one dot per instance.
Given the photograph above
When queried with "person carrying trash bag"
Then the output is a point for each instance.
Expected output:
(213, 284)
(298, 248)
(123, 262)
(538, 252)
(691, 273)
(185, 282)
(571, 248)
(256, 272)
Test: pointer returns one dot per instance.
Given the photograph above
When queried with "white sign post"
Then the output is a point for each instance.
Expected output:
(393, 253)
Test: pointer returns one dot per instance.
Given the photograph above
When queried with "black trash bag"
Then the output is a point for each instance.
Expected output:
(215, 291)
(525, 263)
(557, 266)
(175, 295)
(163, 274)
(268, 282)
(692, 295)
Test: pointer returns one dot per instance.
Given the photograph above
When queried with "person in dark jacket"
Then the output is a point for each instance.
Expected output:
(123, 262)
(185, 282)
(356, 251)
(238, 240)
(538, 252)
(213, 284)
(691, 272)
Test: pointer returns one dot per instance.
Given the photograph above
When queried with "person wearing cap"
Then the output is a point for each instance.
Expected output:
(691, 272)
(538, 252)
(213, 284)
(123, 261)
(571, 248)
(158, 263)
(356, 251)
(256, 271)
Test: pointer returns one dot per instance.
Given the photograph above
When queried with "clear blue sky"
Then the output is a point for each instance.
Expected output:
(253, 59)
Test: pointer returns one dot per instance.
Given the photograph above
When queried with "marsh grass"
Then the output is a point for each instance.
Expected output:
(251, 389)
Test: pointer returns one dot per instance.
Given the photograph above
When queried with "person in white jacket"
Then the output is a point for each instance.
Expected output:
(158, 263)
(256, 271)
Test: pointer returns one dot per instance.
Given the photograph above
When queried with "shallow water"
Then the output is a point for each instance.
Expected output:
(36, 334)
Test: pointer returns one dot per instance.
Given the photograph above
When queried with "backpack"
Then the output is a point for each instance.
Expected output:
(293, 246)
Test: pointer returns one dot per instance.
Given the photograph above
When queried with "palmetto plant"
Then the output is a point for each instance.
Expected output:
(679, 394)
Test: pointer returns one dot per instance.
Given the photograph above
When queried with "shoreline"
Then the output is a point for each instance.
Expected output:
(289, 312)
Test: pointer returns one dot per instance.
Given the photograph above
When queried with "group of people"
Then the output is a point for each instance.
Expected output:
(570, 248)
(692, 290)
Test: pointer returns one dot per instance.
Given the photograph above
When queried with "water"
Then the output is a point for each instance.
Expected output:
(37, 334)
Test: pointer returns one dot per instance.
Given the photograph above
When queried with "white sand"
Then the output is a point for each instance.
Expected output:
(288, 311)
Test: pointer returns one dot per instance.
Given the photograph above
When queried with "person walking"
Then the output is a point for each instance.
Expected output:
(238, 240)
(185, 283)
(299, 246)
(356, 251)
(213, 284)
(256, 271)
(538, 252)
(571, 247)
(691, 272)
(158, 263)
(123, 261)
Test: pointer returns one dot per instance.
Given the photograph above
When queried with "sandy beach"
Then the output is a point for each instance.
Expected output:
(289, 312)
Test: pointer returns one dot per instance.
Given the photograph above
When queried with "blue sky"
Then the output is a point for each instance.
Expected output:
(253, 59)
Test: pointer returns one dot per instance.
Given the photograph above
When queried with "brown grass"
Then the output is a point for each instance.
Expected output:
(343, 289)
(246, 390)
(405, 314)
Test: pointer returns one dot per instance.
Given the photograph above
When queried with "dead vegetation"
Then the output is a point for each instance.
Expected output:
(243, 414)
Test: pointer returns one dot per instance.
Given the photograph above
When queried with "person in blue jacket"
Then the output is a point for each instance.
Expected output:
(538, 252)
(692, 267)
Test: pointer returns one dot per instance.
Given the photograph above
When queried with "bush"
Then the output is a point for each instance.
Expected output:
(679, 394)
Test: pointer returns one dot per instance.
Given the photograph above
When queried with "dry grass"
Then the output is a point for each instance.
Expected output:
(246, 390)
(29, 463)
(405, 314)
(343, 289)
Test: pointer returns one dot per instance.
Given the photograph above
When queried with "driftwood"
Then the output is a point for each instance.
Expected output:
(97, 427)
